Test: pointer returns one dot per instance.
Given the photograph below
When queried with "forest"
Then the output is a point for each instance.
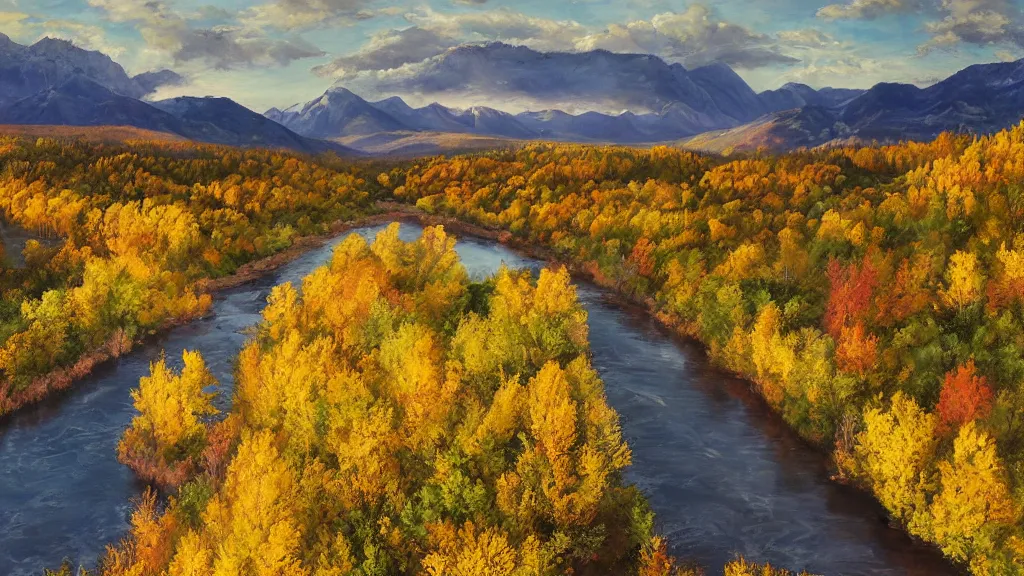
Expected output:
(395, 417)
(873, 295)
(138, 226)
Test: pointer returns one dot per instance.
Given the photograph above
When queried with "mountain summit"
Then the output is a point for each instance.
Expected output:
(55, 82)
(28, 70)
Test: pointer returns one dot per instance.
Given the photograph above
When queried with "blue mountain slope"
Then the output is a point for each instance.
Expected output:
(80, 101)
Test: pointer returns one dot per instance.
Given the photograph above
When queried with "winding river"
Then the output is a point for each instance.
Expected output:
(723, 474)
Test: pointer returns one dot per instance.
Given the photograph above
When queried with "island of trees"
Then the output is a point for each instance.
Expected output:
(395, 418)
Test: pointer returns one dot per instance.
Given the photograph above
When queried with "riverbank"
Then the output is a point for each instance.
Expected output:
(648, 307)
(721, 473)
(62, 378)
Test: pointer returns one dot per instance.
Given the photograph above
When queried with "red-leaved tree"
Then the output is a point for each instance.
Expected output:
(849, 298)
(965, 397)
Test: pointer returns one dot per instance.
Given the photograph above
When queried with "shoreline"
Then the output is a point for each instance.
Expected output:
(646, 306)
(63, 378)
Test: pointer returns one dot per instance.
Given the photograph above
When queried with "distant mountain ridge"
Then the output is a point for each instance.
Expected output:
(53, 82)
(339, 113)
(710, 108)
(28, 70)
(662, 101)
(667, 100)
(80, 101)
(979, 99)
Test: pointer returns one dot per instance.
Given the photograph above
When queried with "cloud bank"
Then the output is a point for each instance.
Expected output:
(695, 37)
(169, 32)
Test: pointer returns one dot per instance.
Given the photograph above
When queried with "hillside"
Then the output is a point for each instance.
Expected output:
(90, 133)
(802, 127)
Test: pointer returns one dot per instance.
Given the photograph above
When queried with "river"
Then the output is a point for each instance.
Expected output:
(722, 472)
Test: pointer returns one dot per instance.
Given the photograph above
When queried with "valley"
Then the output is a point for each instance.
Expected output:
(503, 295)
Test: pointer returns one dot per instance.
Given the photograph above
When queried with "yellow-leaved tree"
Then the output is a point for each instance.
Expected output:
(973, 508)
(964, 280)
(171, 405)
(169, 433)
(252, 522)
(894, 455)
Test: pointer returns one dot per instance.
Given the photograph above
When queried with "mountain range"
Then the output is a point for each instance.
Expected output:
(341, 114)
(710, 107)
(53, 82)
(657, 101)
(979, 99)
(630, 98)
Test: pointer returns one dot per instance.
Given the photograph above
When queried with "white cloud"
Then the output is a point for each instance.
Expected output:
(500, 25)
(432, 33)
(222, 47)
(809, 38)
(305, 14)
(1009, 55)
(867, 9)
(977, 22)
(14, 24)
(694, 37)
(389, 49)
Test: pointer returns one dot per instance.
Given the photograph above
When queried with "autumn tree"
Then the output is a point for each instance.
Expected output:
(253, 522)
(896, 451)
(973, 508)
(965, 397)
(167, 436)
(963, 281)
(850, 295)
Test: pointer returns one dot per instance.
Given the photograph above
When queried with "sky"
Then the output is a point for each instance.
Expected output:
(266, 53)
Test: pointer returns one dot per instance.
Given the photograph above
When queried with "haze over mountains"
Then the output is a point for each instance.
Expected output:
(617, 98)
